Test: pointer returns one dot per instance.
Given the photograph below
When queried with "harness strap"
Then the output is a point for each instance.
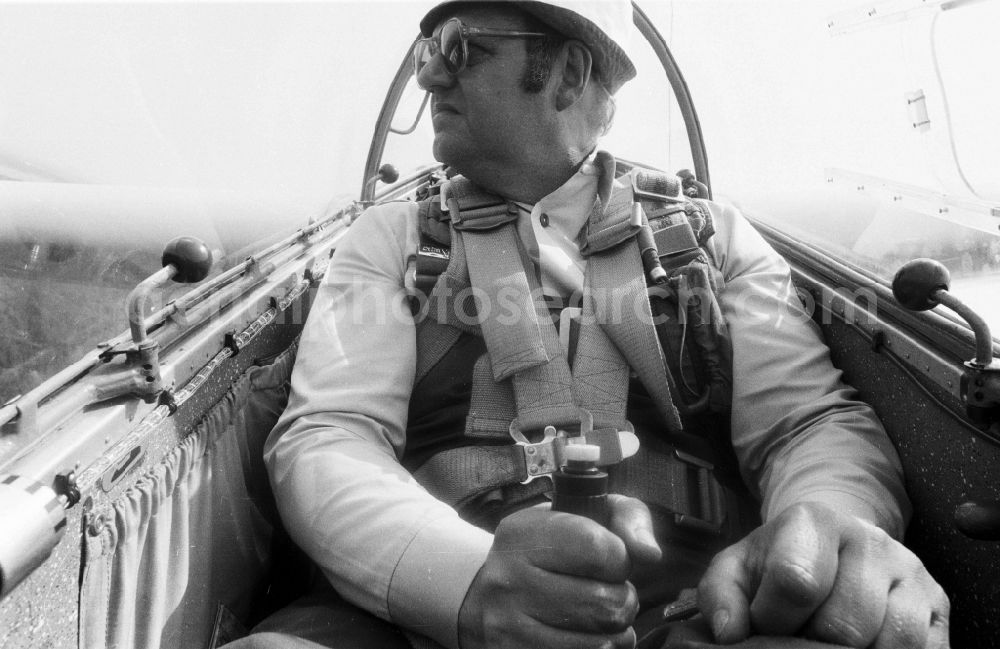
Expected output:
(451, 302)
(496, 272)
(486, 253)
(431, 262)
(491, 405)
(600, 371)
(627, 319)
(521, 340)
(472, 208)
(610, 222)
(528, 349)
(677, 482)
(460, 475)
(433, 342)
(600, 380)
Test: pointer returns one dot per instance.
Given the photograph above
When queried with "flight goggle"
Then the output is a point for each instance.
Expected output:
(452, 43)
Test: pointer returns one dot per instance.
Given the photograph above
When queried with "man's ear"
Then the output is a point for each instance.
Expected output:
(575, 63)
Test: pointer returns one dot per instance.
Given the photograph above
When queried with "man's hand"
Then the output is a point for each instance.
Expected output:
(827, 576)
(558, 580)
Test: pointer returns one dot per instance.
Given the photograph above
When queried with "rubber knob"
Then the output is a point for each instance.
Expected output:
(979, 520)
(190, 256)
(388, 174)
(917, 281)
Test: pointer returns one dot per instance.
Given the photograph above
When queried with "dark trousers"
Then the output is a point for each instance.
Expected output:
(322, 620)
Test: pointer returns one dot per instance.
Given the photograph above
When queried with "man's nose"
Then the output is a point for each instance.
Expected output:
(434, 74)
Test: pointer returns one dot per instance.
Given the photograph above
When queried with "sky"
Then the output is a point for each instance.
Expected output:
(141, 121)
(278, 100)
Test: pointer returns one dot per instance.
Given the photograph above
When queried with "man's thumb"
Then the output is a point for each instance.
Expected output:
(632, 522)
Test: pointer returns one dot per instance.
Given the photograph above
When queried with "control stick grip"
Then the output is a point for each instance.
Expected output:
(580, 487)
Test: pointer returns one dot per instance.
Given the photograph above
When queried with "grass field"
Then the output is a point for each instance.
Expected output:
(55, 305)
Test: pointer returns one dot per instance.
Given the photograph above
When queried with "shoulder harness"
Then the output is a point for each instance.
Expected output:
(667, 218)
(676, 256)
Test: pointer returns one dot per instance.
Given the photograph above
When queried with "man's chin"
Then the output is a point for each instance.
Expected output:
(445, 153)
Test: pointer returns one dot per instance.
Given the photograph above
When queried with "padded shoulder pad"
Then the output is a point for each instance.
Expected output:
(657, 182)
(672, 205)
(433, 222)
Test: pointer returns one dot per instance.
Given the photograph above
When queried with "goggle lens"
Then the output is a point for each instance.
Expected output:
(449, 42)
(453, 46)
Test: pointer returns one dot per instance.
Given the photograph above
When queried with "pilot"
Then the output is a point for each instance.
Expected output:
(395, 466)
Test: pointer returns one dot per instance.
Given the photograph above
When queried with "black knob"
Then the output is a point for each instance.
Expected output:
(388, 174)
(190, 256)
(917, 281)
(979, 520)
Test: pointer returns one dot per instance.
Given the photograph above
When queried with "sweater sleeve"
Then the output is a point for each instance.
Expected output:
(799, 432)
(383, 542)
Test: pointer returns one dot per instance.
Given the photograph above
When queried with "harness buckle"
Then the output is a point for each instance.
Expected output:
(543, 458)
(706, 498)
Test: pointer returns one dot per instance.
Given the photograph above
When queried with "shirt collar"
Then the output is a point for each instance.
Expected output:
(569, 206)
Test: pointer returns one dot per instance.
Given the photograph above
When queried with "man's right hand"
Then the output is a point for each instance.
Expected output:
(559, 580)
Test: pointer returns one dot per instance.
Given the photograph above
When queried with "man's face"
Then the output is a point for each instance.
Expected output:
(482, 117)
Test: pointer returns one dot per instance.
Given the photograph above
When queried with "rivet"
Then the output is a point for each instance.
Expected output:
(95, 525)
(544, 220)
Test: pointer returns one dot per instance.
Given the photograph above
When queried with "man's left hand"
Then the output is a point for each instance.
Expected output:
(832, 577)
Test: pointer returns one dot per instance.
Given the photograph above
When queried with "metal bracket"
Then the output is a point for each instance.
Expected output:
(710, 501)
(544, 457)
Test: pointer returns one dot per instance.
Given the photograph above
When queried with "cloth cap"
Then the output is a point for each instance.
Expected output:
(605, 26)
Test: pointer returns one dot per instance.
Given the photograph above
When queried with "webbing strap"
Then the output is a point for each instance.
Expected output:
(610, 222)
(526, 347)
(675, 481)
(599, 369)
(451, 301)
(624, 312)
(473, 208)
(545, 391)
(459, 475)
(491, 405)
(433, 342)
(494, 263)
(664, 477)
(600, 379)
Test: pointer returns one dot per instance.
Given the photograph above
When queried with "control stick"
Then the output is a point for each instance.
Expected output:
(922, 284)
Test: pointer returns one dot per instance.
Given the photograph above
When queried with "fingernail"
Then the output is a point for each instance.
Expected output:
(719, 622)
